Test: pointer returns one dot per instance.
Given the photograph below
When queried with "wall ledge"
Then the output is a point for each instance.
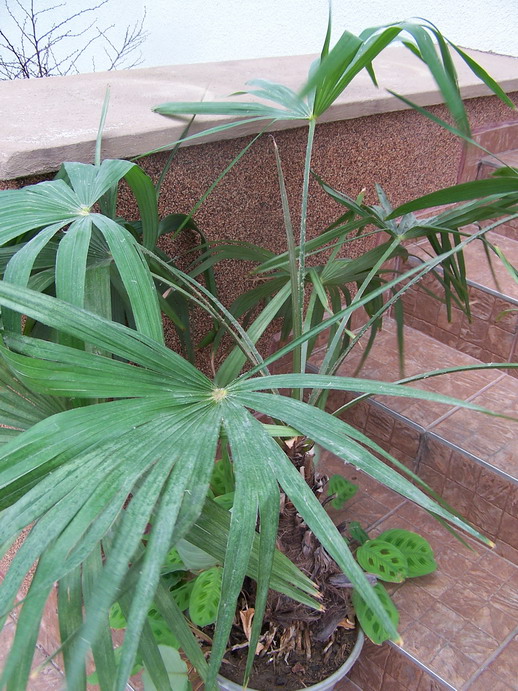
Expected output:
(48, 121)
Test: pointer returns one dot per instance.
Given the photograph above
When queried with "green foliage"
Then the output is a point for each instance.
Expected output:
(415, 549)
(370, 622)
(194, 558)
(205, 597)
(357, 532)
(222, 479)
(94, 678)
(161, 631)
(383, 559)
(182, 595)
(117, 618)
(173, 561)
(393, 556)
(342, 489)
(109, 449)
(176, 671)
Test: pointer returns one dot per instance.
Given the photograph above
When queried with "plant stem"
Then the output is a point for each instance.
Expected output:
(299, 364)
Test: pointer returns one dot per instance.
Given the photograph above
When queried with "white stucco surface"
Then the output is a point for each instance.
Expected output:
(193, 31)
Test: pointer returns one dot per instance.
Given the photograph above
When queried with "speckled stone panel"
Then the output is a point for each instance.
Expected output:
(403, 151)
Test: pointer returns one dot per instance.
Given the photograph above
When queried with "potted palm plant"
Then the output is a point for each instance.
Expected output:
(110, 436)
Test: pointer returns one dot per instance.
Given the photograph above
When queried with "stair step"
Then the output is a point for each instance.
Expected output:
(492, 334)
(459, 625)
(468, 457)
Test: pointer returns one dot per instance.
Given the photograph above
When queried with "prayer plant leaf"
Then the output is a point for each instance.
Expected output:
(371, 624)
(205, 597)
(383, 559)
(415, 548)
(342, 490)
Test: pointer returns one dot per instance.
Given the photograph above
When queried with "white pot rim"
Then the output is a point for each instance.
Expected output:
(326, 684)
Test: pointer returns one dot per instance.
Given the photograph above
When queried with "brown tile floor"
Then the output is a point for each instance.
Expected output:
(497, 445)
(481, 271)
(468, 457)
(459, 625)
(492, 332)
(422, 354)
(47, 678)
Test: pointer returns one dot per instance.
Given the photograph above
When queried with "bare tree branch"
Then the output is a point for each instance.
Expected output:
(36, 46)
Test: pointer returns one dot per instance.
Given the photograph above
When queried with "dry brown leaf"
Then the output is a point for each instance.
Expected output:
(246, 616)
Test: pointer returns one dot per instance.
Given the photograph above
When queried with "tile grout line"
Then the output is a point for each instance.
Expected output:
(471, 282)
(422, 666)
(503, 645)
(469, 399)
(476, 459)
(49, 659)
(390, 513)
(429, 432)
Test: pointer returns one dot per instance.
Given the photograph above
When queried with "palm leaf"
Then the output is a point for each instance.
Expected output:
(332, 435)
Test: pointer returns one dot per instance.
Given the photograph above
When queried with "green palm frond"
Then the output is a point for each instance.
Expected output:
(106, 472)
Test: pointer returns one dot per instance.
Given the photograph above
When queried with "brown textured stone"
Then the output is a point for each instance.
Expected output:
(402, 670)
(436, 454)
(494, 488)
(509, 530)
(432, 477)
(512, 502)
(481, 304)
(494, 621)
(367, 675)
(508, 321)
(428, 683)
(459, 497)
(505, 667)
(488, 681)
(421, 642)
(475, 644)
(376, 654)
(379, 423)
(485, 515)
(499, 342)
(413, 599)
(405, 438)
(464, 471)
(506, 551)
(453, 666)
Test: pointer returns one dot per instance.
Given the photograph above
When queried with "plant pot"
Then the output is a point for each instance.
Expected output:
(325, 685)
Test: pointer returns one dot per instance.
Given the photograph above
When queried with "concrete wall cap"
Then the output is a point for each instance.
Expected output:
(48, 121)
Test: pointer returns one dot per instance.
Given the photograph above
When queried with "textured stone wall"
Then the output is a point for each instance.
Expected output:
(404, 152)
